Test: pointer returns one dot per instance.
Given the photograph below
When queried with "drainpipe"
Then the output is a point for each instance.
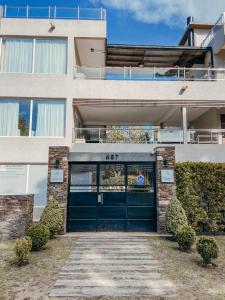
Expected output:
(191, 40)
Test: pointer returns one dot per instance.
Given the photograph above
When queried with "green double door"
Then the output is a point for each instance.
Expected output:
(111, 197)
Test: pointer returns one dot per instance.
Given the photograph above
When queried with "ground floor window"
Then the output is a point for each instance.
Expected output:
(32, 117)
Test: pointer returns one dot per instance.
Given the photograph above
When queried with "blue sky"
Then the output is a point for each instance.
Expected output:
(153, 22)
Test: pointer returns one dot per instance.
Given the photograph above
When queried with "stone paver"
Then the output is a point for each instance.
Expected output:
(112, 267)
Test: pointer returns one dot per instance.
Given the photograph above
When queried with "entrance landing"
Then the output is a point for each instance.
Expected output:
(112, 266)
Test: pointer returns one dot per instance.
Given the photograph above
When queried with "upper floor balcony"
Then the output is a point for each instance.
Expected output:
(216, 36)
(53, 12)
(149, 73)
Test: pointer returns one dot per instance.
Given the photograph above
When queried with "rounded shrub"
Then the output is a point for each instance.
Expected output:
(185, 237)
(22, 250)
(39, 234)
(52, 217)
(208, 249)
(175, 216)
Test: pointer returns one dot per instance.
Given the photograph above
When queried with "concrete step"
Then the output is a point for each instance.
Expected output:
(111, 292)
(110, 275)
(103, 262)
(105, 282)
(90, 268)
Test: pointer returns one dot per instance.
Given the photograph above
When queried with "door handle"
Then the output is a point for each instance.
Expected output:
(100, 198)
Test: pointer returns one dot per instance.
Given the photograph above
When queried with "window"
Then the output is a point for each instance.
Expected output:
(14, 117)
(50, 56)
(32, 117)
(17, 55)
(48, 118)
(27, 55)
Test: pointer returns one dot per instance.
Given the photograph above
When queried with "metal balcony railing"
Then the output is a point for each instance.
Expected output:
(52, 12)
(149, 74)
(147, 136)
(219, 25)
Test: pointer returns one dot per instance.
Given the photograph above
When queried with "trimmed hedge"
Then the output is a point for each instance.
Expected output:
(52, 218)
(39, 235)
(208, 249)
(185, 237)
(201, 191)
(22, 250)
(175, 216)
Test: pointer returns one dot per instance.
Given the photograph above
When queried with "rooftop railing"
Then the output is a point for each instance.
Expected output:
(148, 74)
(147, 136)
(219, 25)
(53, 12)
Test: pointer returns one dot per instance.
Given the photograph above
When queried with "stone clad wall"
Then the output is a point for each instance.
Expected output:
(16, 215)
(59, 191)
(164, 191)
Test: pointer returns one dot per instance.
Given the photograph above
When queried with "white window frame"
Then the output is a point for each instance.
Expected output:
(34, 39)
(31, 120)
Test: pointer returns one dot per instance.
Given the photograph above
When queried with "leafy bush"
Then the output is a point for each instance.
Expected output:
(185, 237)
(201, 191)
(175, 216)
(52, 217)
(208, 249)
(22, 250)
(39, 234)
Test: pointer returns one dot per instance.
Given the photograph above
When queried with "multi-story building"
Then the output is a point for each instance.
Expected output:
(104, 110)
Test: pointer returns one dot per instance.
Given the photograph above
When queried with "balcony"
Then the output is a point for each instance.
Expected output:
(52, 12)
(148, 136)
(216, 36)
(149, 73)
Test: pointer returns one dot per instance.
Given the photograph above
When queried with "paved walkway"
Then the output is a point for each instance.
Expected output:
(111, 266)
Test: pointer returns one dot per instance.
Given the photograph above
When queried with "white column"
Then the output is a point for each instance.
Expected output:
(184, 124)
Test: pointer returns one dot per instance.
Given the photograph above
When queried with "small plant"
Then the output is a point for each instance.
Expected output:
(22, 250)
(39, 234)
(52, 217)
(175, 216)
(208, 249)
(185, 237)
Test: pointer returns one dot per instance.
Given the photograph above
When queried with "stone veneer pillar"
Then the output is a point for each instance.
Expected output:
(164, 191)
(59, 191)
(16, 215)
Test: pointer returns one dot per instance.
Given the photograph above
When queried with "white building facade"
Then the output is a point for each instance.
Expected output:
(61, 84)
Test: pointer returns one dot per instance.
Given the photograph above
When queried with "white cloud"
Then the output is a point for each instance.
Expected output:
(170, 12)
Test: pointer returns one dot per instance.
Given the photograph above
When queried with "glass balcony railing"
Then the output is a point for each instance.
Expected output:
(52, 12)
(149, 74)
(147, 136)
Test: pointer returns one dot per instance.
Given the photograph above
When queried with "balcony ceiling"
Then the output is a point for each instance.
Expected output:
(154, 56)
(92, 113)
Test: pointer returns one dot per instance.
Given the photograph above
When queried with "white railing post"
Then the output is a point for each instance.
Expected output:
(78, 13)
(130, 71)
(178, 73)
(5, 11)
(101, 13)
(27, 12)
(184, 123)
(154, 72)
(184, 73)
(124, 72)
(54, 12)
(49, 12)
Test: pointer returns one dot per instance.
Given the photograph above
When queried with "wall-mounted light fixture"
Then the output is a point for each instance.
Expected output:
(56, 163)
(92, 50)
(52, 27)
(165, 163)
(183, 89)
